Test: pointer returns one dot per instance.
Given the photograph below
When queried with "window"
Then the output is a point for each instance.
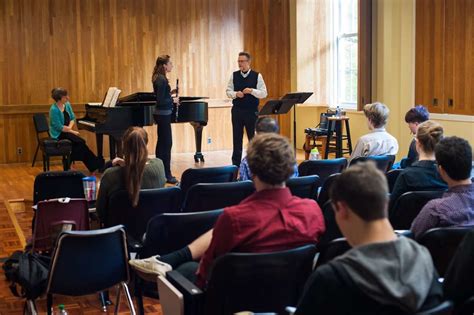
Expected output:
(345, 39)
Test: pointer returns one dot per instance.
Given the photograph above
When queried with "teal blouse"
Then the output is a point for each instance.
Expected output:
(56, 119)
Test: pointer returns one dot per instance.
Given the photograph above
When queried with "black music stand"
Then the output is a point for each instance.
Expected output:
(276, 107)
(283, 106)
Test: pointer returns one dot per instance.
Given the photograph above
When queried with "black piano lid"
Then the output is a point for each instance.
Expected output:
(138, 97)
(193, 98)
(150, 96)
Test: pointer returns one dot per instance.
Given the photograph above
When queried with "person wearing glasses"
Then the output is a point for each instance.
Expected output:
(245, 88)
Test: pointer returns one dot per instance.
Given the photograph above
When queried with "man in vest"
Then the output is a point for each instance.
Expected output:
(245, 88)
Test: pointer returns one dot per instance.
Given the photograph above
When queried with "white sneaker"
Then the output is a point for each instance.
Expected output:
(150, 265)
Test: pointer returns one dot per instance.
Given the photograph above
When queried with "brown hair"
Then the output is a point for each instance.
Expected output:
(270, 157)
(245, 54)
(428, 134)
(135, 151)
(161, 61)
(58, 93)
(377, 114)
(365, 190)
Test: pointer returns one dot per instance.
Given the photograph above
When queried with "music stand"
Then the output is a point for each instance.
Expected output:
(283, 106)
(276, 107)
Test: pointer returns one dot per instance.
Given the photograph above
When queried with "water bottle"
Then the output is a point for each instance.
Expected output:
(338, 112)
(62, 310)
(314, 155)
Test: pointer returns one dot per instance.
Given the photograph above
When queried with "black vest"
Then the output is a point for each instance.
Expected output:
(248, 102)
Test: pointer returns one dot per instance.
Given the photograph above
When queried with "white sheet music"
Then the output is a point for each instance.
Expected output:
(111, 97)
(115, 97)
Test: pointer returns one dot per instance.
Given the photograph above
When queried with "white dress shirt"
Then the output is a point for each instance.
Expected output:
(376, 142)
(259, 92)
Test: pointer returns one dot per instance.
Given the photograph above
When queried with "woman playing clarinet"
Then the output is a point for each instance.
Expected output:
(162, 113)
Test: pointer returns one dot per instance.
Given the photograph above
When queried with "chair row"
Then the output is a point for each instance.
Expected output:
(406, 209)
(208, 196)
(325, 168)
(441, 243)
(57, 184)
(49, 185)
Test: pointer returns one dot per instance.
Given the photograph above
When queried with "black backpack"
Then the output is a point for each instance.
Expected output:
(29, 271)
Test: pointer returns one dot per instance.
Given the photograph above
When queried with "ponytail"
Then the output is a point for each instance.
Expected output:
(136, 155)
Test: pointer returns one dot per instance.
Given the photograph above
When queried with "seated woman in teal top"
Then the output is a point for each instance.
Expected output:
(61, 122)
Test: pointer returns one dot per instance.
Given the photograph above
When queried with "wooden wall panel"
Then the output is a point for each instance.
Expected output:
(444, 55)
(266, 29)
(430, 37)
(88, 45)
(459, 51)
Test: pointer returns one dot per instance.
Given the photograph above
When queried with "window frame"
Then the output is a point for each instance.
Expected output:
(337, 37)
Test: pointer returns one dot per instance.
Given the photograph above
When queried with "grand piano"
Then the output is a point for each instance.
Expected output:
(137, 110)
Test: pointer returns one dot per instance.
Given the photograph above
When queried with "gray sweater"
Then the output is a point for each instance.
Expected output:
(113, 180)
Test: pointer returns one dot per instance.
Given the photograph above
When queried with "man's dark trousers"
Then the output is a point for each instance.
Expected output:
(240, 119)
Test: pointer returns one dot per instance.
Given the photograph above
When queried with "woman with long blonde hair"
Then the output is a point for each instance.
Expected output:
(134, 172)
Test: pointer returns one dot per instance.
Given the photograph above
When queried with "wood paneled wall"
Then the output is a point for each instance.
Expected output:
(444, 55)
(88, 45)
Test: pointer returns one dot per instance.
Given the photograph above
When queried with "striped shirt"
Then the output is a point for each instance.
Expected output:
(455, 208)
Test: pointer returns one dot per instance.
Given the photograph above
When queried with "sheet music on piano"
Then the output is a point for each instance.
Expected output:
(111, 97)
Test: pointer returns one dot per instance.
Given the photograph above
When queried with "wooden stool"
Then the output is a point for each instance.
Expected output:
(335, 123)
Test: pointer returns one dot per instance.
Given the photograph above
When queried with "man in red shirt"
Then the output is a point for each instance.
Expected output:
(269, 220)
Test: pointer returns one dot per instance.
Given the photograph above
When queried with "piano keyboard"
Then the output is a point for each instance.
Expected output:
(87, 123)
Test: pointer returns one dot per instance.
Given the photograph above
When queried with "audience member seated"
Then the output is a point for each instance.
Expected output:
(263, 125)
(132, 173)
(423, 174)
(413, 118)
(382, 273)
(456, 207)
(61, 123)
(269, 220)
(378, 141)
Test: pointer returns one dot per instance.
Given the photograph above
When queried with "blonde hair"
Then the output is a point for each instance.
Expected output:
(377, 113)
(428, 134)
(135, 152)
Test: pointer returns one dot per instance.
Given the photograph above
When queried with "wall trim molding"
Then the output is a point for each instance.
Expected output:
(452, 117)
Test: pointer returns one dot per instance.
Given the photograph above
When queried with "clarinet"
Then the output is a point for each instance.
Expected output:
(177, 105)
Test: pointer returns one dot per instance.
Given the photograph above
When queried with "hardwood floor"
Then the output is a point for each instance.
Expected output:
(16, 192)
